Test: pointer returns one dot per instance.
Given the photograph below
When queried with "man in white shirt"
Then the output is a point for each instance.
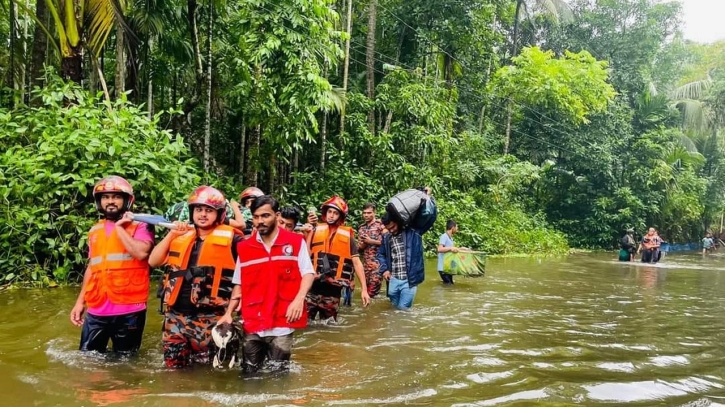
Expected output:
(272, 278)
(445, 245)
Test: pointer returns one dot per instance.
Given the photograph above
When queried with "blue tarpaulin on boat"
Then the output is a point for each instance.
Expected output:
(679, 247)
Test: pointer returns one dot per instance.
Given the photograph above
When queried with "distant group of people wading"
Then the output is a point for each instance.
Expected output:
(252, 259)
(650, 246)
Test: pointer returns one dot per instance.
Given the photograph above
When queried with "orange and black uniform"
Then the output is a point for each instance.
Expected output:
(332, 250)
(197, 289)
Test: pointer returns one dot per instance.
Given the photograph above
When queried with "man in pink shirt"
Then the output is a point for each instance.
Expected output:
(116, 283)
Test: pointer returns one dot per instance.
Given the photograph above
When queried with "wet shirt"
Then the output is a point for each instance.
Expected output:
(707, 242)
(445, 241)
(628, 242)
(374, 231)
(397, 255)
(183, 303)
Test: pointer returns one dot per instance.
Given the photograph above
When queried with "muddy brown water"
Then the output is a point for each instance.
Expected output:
(576, 330)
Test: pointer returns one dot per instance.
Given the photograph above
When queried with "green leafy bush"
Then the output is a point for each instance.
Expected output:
(53, 155)
(494, 227)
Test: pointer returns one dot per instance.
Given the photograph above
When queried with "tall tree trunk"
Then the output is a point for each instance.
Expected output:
(93, 77)
(207, 120)
(514, 51)
(388, 121)
(252, 159)
(190, 104)
(13, 16)
(272, 173)
(40, 44)
(323, 141)
(507, 140)
(242, 151)
(370, 61)
(149, 76)
(23, 71)
(174, 100)
(323, 128)
(346, 66)
(71, 67)
(120, 79)
(150, 98)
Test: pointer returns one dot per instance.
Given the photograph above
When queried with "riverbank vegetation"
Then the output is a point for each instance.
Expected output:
(540, 125)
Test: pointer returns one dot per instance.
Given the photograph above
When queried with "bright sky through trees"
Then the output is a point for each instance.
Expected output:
(703, 20)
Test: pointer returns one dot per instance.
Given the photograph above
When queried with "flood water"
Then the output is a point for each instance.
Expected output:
(577, 330)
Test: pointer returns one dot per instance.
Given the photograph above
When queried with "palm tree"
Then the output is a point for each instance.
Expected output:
(81, 24)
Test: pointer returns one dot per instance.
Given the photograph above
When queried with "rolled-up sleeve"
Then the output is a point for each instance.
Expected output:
(304, 262)
(382, 256)
(237, 278)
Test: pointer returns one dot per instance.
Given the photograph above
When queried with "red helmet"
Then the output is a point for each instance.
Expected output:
(211, 197)
(336, 203)
(114, 184)
(250, 193)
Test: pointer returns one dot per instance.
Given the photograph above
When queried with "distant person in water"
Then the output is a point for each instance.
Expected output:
(708, 244)
(445, 245)
(650, 246)
(629, 246)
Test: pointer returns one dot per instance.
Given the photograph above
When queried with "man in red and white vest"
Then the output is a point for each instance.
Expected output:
(272, 277)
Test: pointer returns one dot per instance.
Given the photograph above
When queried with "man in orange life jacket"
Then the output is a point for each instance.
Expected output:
(335, 256)
(273, 275)
(116, 283)
(198, 281)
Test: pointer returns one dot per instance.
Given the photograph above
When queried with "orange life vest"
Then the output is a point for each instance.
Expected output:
(115, 274)
(651, 242)
(335, 249)
(211, 276)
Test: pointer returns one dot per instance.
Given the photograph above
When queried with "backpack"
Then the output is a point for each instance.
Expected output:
(413, 208)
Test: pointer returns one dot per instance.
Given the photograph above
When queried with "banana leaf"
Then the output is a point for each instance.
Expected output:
(467, 264)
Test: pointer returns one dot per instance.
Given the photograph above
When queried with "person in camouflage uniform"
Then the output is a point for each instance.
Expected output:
(370, 236)
(197, 285)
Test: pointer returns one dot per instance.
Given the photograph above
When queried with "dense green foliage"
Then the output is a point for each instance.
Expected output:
(609, 119)
(52, 157)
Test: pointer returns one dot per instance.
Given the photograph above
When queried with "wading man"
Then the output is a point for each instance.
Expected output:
(336, 260)
(650, 246)
(272, 276)
(200, 264)
(445, 245)
(116, 282)
(401, 262)
(370, 236)
(629, 246)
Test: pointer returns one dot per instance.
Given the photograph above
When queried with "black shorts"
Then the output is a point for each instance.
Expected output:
(259, 350)
(124, 331)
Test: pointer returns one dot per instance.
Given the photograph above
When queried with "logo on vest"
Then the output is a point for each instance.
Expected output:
(287, 250)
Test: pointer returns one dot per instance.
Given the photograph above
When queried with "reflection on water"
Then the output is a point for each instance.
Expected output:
(580, 330)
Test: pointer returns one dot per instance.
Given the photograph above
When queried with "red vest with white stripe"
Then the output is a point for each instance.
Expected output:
(270, 282)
